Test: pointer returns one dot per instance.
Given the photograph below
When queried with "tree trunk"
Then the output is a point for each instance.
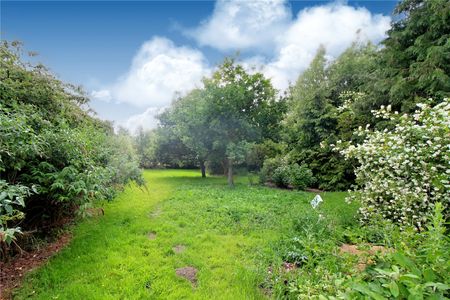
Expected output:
(203, 168)
(230, 173)
(225, 167)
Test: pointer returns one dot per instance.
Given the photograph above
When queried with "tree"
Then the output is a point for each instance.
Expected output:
(314, 120)
(189, 122)
(239, 110)
(170, 151)
(415, 62)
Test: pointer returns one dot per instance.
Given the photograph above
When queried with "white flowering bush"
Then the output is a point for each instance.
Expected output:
(404, 171)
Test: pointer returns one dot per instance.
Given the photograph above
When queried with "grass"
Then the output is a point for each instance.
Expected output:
(228, 234)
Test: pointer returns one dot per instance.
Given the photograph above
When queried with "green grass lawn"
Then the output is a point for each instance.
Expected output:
(228, 235)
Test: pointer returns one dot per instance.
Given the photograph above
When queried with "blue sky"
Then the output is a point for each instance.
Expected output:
(131, 57)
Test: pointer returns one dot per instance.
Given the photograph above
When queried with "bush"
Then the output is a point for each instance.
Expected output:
(403, 172)
(54, 156)
(283, 174)
(300, 177)
(269, 167)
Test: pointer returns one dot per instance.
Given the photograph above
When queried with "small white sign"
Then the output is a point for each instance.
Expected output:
(316, 201)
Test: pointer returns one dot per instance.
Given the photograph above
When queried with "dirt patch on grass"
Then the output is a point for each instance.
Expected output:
(363, 254)
(179, 249)
(311, 190)
(189, 273)
(353, 249)
(151, 235)
(12, 273)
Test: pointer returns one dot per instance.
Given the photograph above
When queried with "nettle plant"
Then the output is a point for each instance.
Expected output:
(403, 171)
(11, 199)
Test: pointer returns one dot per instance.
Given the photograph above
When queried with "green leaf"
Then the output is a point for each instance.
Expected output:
(429, 275)
(393, 287)
(8, 209)
(407, 263)
(438, 285)
(366, 291)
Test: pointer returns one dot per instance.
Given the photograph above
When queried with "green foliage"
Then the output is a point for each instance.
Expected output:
(404, 171)
(414, 64)
(258, 153)
(417, 269)
(54, 156)
(146, 147)
(220, 122)
(314, 120)
(282, 174)
(413, 266)
(269, 167)
(12, 200)
(300, 177)
(226, 234)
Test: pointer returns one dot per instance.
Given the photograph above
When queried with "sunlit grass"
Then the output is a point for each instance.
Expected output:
(225, 232)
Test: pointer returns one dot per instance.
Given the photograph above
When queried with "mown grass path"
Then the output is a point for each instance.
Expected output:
(221, 232)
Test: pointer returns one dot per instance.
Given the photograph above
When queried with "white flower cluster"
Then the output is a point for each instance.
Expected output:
(348, 98)
(404, 171)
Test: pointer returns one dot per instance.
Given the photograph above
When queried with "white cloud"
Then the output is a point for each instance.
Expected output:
(146, 120)
(282, 48)
(334, 26)
(243, 24)
(268, 25)
(158, 70)
(102, 95)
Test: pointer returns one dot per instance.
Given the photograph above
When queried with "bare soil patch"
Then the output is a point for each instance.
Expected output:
(363, 255)
(190, 273)
(12, 272)
(151, 235)
(311, 190)
(179, 249)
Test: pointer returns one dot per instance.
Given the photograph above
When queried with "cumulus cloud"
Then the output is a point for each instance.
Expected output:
(243, 24)
(334, 26)
(293, 42)
(282, 47)
(146, 120)
(158, 70)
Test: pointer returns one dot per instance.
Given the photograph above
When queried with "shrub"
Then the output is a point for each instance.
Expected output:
(300, 177)
(11, 202)
(269, 167)
(403, 172)
(283, 174)
(54, 156)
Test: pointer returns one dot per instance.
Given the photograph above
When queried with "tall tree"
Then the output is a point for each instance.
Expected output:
(239, 109)
(191, 125)
(314, 121)
(415, 62)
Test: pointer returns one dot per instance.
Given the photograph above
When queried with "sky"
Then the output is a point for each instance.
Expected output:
(132, 57)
